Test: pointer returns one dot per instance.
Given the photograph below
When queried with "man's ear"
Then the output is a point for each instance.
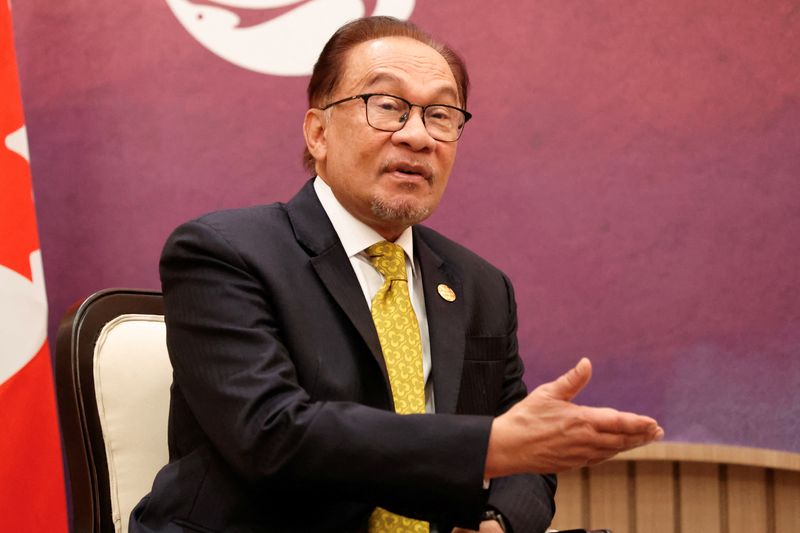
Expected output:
(314, 132)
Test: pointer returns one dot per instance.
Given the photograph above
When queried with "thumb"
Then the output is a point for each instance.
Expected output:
(569, 384)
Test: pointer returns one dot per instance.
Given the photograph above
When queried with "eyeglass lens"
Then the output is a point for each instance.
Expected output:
(390, 114)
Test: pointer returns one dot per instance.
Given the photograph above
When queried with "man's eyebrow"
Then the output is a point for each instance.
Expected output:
(379, 77)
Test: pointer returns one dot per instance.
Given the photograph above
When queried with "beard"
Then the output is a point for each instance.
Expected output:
(399, 212)
(403, 212)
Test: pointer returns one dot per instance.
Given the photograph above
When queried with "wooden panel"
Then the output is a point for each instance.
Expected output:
(712, 490)
(609, 497)
(747, 499)
(569, 501)
(787, 501)
(699, 498)
(655, 497)
(713, 453)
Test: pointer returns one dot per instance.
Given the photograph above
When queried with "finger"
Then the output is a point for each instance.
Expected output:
(568, 385)
(608, 444)
(490, 526)
(607, 420)
(621, 442)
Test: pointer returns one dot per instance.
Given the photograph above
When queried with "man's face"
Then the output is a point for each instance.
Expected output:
(388, 180)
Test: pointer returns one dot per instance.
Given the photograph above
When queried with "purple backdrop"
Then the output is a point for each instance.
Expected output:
(632, 165)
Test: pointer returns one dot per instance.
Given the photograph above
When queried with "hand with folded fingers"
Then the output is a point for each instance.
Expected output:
(487, 526)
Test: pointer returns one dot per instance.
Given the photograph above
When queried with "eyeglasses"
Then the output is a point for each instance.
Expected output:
(386, 112)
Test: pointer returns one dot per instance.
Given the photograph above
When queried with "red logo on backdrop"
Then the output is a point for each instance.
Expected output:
(278, 37)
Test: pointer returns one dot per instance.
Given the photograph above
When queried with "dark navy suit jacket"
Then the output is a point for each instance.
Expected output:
(281, 413)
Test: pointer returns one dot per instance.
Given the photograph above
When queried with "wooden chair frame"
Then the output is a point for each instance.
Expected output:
(88, 481)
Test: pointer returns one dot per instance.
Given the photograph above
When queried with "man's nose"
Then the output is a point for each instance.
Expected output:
(414, 134)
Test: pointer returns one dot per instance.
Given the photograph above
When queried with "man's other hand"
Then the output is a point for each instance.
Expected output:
(487, 526)
(547, 433)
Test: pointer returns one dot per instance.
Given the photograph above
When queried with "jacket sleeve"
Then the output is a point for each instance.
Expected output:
(526, 501)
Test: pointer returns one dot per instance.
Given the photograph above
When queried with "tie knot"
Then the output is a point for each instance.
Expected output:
(389, 259)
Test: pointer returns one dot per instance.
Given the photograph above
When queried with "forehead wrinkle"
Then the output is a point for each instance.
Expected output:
(376, 78)
(401, 68)
(440, 85)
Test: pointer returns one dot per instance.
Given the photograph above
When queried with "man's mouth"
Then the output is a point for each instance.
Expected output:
(407, 168)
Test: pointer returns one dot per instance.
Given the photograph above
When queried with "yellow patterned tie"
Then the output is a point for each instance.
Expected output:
(398, 332)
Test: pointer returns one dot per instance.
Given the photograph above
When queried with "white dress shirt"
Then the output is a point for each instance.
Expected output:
(356, 237)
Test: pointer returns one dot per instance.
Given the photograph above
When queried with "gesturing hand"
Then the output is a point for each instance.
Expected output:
(546, 432)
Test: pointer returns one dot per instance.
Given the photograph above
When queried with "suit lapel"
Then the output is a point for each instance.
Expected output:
(336, 273)
(314, 231)
(445, 325)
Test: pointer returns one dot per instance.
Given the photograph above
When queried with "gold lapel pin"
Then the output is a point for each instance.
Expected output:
(446, 292)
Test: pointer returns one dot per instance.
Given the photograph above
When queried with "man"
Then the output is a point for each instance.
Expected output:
(339, 368)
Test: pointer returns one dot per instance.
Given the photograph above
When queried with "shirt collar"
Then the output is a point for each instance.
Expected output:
(354, 234)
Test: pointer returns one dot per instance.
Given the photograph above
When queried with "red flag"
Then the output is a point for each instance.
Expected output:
(32, 497)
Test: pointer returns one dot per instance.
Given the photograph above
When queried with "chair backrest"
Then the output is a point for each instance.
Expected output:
(112, 382)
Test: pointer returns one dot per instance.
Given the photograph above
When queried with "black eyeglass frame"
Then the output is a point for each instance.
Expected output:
(366, 96)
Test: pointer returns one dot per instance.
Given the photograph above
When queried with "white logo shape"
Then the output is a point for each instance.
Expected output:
(286, 45)
(23, 304)
(17, 142)
(23, 316)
